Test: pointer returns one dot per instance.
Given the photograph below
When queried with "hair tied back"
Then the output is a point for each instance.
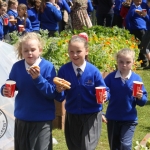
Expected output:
(82, 35)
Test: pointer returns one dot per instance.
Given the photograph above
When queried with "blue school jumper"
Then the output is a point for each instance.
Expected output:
(122, 105)
(11, 12)
(1, 29)
(50, 17)
(33, 17)
(64, 5)
(35, 98)
(134, 21)
(81, 99)
(121, 112)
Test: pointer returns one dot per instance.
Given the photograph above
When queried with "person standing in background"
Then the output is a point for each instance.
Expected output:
(136, 24)
(104, 12)
(79, 15)
(33, 15)
(65, 10)
(117, 21)
(49, 16)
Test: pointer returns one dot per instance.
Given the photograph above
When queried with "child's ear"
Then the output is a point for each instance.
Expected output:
(40, 50)
(87, 51)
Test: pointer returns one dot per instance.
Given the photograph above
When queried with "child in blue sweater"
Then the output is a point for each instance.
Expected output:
(49, 16)
(34, 102)
(83, 113)
(23, 19)
(12, 13)
(121, 112)
(145, 43)
(63, 7)
(33, 15)
(12, 8)
(136, 24)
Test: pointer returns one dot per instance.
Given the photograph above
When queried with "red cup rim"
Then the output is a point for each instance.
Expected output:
(10, 82)
(137, 82)
(100, 87)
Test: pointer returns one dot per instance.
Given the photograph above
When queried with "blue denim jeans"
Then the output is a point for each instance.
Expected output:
(120, 134)
(105, 19)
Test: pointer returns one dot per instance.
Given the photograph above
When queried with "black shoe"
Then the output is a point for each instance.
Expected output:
(145, 68)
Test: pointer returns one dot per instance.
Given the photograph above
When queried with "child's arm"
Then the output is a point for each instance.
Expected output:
(90, 7)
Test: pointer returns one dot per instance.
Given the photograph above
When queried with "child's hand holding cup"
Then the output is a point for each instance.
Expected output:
(100, 94)
(137, 89)
(9, 88)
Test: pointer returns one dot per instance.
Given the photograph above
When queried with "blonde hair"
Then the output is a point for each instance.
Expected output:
(125, 52)
(26, 37)
(80, 39)
(3, 4)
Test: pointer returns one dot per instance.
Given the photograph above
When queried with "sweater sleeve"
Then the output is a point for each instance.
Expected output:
(66, 6)
(45, 84)
(57, 14)
(90, 7)
(128, 18)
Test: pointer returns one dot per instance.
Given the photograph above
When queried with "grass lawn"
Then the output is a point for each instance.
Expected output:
(141, 130)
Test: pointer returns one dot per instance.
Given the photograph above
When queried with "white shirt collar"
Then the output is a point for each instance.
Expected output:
(37, 62)
(82, 67)
(49, 3)
(136, 5)
(118, 75)
(14, 10)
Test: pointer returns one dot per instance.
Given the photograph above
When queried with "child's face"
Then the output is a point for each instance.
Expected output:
(37, 3)
(77, 53)
(21, 12)
(137, 2)
(14, 6)
(124, 63)
(30, 51)
(3, 10)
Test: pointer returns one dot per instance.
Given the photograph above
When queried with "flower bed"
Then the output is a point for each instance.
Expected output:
(103, 45)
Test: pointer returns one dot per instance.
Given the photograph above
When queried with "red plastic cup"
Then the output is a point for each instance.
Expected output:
(12, 85)
(100, 91)
(21, 28)
(136, 87)
(5, 21)
(144, 10)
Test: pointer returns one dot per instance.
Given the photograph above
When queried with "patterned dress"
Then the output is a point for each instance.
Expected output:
(79, 15)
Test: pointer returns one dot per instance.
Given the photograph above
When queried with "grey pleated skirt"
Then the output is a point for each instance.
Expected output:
(33, 135)
(82, 132)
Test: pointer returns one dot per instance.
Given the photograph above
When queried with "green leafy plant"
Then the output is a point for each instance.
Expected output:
(104, 43)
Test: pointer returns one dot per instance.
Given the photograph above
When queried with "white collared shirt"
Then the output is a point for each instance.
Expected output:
(37, 62)
(118, 75)
(82, 67)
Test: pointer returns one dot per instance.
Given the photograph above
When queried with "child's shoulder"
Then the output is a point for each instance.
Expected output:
(46, 62)
(135, 75)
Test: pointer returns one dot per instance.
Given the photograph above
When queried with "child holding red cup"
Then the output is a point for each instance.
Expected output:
(34, 102)
(121, 112)
(83, 113)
